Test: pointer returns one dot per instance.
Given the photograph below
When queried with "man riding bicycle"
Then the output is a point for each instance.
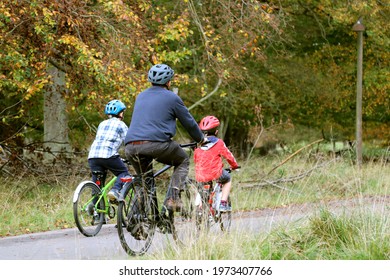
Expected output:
(152, 126)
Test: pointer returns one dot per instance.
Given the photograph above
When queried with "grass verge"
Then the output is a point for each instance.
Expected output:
(359, 236)
(33, 204)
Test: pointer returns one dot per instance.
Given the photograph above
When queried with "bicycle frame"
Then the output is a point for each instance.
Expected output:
(91, 206)
(103, 194)
(208, 194)
(125, 187)
(156, 174)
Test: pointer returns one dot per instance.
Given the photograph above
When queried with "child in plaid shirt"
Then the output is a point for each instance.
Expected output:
(103, 154)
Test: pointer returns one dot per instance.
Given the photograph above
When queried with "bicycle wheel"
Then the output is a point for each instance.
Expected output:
(212, 222)
(85, 206)
(203, 215)
(184, 222)
(225, 219)
(135, 222)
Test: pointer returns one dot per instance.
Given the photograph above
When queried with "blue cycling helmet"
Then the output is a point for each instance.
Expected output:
(160, 74)
(114, 107)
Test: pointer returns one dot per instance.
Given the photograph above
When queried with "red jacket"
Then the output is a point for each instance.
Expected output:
(208, 160)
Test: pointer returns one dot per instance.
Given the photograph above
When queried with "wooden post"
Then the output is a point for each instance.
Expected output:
(359, 28)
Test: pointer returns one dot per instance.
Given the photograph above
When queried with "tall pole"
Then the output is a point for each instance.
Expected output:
(359, 28)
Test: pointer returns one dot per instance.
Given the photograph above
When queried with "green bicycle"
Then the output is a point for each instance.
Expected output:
(91, 206)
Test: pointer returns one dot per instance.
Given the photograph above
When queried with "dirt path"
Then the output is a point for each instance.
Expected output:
(69, 244)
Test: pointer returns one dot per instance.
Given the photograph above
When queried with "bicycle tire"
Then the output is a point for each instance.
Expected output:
(203, 215)
(88, 220)
(206, 222)
(135, 221)
(184, 222)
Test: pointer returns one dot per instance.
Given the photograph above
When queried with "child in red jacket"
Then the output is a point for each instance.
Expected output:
(208, 160)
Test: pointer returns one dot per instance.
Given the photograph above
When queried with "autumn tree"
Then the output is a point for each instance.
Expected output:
(75, 53)
(229, 42)
(249, 62)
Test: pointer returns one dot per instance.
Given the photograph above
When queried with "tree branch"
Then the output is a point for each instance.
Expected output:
(257, 139)
(207, 96)
(294, 154)
(9, 107)
(65, 69)
(91, 128)
(265, 182)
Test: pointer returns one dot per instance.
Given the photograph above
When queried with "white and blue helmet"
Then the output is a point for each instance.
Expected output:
(114, 107)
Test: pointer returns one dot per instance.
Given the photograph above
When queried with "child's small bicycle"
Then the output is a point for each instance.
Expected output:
(91, 206)
(207, 203)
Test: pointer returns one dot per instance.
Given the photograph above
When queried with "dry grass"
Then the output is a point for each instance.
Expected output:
(33, 204)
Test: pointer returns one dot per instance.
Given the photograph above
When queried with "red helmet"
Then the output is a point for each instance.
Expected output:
(208, 123)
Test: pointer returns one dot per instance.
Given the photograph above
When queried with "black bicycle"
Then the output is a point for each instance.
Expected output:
(139, 217)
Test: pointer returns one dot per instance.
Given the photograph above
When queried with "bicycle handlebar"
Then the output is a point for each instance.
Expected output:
(189, 145)
(230, 170)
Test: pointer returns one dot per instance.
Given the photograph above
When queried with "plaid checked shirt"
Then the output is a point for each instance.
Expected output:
(109, 137)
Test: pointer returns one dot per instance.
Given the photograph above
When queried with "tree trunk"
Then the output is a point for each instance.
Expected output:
(56, 140)
(236, 138)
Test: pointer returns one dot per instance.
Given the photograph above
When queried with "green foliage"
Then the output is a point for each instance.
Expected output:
(326, 44)
(273, 62)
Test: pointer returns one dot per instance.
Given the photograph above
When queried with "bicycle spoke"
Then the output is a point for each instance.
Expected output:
(184, 222)
(135, 229)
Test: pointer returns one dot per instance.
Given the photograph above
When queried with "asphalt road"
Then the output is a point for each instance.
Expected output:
(70, 244)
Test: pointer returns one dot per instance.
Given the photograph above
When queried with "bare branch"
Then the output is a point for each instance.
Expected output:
(65, 69)
(294, 154)
(260, 119)
(280, 187)
(17, 103)
(275, 183)
(207, 96)
(91, 127)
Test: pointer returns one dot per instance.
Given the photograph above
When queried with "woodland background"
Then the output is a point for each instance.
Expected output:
(274, 72)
